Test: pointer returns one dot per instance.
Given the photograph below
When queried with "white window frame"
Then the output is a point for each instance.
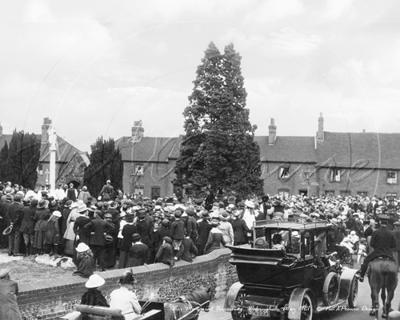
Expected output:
(139, 190)
(391, 177)
(284, 172)
(139, 170)
(335, 175)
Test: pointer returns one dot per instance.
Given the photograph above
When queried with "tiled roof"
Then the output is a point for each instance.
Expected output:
(287, 149)
(152, 149)
(370, 150)
(65, 151)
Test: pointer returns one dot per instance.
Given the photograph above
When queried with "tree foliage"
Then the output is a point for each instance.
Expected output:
(105, 164)
(218, 149)
(20, 160)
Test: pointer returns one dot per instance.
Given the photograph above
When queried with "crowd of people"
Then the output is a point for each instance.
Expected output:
(116, 231)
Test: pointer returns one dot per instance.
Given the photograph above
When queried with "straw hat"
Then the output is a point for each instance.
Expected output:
(82, 247)
(94, 281)
(57, 214)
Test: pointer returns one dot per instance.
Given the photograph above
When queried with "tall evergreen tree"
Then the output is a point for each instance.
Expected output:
(23, 159)
(219, 149)
(105, 164)
(3, 162)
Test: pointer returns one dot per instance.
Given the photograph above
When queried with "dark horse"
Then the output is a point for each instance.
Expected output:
(188, 307)
(382, 275)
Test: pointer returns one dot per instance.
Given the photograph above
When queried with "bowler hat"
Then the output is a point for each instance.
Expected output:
(42, 204)
(136, 237)
(168, 239)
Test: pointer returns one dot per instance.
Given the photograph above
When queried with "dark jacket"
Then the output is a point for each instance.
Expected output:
(15, 213)
(138, 255)
(127, 231)
(162, 232)
(204, 230)
(143, 228)
(177, 230)
(28, 220)
(191, 227)
(383, 241)
(186, 250)
(240, 230)
(97, 229)
(79, 229)
(396, 233)
(165, 254)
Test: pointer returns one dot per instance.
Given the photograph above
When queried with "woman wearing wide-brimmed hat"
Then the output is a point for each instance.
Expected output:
(51, 234)
(226, 227)
(84, 261)
(215, 238)
(93, 296)
(42, 214)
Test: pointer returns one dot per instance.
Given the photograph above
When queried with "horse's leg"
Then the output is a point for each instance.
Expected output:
(383, 296)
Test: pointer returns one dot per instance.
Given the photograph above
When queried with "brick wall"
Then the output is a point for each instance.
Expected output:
(50, 299)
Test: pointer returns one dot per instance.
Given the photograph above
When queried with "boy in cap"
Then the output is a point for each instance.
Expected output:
(9, 309)
(177, 230)
(166, 252)
(383, 241)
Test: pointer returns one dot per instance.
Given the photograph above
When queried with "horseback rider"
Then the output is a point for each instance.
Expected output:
(382, 241)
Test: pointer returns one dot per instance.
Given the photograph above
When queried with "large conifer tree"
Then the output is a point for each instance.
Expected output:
(23, 159)
(105, 164)
(218, 150)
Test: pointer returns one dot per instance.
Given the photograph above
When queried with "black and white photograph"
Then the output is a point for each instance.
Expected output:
(199, 160)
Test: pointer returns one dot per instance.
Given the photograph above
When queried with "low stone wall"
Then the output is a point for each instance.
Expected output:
(50, 299)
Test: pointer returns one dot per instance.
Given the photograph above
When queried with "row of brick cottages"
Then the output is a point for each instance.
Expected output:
(329, 163)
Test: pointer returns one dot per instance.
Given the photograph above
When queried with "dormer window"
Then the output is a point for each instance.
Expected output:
(335, 175)
(392, 177)
(284, 172)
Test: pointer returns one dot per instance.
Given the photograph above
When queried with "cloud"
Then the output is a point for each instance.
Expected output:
(292, 42)
(334, 10)
(267, 12)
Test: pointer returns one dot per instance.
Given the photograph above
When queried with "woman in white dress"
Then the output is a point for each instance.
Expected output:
(69, 234)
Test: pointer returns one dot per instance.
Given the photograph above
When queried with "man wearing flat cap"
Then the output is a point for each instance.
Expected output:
(382, 241)
(9, 309)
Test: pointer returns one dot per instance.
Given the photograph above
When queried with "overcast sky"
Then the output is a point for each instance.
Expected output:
(94, 67)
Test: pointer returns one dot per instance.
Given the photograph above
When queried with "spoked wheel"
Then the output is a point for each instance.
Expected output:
(307, 308)
(331, 289)
(238, 313)
(352, 300)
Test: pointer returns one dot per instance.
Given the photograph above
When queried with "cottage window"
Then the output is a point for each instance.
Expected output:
(392, 177)
(391, 195)
(329, 193)
(283, 172)
(40, 169)
(139, 169)
(139, 190)
(283, 193)
(335, 175)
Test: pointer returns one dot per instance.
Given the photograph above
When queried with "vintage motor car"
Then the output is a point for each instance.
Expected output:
(286, 273)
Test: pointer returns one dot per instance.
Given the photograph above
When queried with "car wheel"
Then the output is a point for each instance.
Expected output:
(330, 291)
(352, 300)
(238, 313)
(307, 308)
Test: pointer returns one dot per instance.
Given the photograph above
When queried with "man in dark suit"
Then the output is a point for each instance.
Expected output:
(143, 226)
(15, 213)
(97, 228)
(240, 229)
(6, 202)
(127, 232)
(166, 252)
(204, 231)
(382, 241)
(138, 253)
(187, 250)
(28, 225)
(80, 223)
(191, 225)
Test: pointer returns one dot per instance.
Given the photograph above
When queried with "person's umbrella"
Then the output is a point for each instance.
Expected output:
(75, 183)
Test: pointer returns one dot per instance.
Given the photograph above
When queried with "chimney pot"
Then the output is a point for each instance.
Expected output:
(137, 131)
(272, 132)
(320, 132)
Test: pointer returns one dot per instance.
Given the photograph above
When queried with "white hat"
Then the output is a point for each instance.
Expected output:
(249, 204)
(57, 214)
(74, 205)
(82, 247)
(95, 281)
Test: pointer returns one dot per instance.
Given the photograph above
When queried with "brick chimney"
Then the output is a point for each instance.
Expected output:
(320, 132)
(272, 132)
(137, 131)
(45, 126)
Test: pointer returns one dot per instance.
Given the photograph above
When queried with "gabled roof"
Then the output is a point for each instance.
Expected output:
(149, 149)
(65, 151)
(368, 150)
(287, 149)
